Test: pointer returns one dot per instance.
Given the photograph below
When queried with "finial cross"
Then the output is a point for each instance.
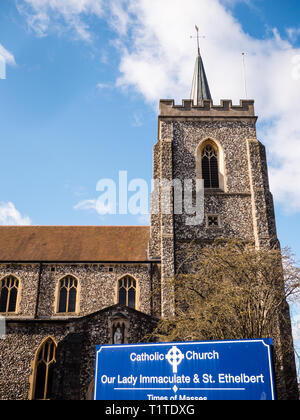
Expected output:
(198, 38)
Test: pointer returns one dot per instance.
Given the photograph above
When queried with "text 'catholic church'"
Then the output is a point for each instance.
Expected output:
(64, 290)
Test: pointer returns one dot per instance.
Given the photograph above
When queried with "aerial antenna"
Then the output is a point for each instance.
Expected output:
(198, 38)
(244, 74)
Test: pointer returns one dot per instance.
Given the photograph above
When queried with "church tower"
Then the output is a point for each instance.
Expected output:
(217, 145)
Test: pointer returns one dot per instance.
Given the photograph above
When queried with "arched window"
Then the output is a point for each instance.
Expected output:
(210, 166)
(68, 287)
(8, 294)
(43, 370)
(127, 292)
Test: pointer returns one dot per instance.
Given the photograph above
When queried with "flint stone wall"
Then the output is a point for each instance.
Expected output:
(77, 340)
(97, 287)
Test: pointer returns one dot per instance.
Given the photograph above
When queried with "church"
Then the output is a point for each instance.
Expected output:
(66, 289)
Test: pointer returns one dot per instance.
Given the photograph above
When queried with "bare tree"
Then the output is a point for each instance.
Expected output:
(232, 291)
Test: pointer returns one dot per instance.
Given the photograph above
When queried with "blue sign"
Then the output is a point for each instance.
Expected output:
(209, 370)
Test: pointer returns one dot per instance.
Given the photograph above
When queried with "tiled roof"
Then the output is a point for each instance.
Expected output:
(74, 243)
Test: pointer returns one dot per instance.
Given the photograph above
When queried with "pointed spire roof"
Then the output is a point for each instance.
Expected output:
(200, 88)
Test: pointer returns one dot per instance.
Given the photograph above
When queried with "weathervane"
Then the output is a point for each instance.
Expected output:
(198, 38)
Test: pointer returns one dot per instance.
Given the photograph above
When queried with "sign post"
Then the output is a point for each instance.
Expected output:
(212, 370)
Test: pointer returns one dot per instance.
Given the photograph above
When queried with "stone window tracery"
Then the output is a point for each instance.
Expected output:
(68, 287)
(127, 292)
(44, 369)
(9, 288)
(210, 166)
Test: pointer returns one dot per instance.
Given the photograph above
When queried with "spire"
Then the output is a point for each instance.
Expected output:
(200, 88)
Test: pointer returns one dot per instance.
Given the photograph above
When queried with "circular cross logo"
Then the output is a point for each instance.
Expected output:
(174, 357)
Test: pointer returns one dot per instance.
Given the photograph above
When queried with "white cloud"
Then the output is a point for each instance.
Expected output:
(119, 17)
(293, 33)
(103, 86)
(296, 330)
(86, 205)
(44, 15)
(296, 324)
(95, 205)
(10, 216)
(7, 56)
(138, 120)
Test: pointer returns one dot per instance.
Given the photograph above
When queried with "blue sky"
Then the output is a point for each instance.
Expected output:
(84, 78)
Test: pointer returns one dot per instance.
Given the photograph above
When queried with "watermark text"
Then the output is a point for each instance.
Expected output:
(165, 197)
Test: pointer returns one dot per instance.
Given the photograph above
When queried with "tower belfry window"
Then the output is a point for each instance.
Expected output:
(210, 167)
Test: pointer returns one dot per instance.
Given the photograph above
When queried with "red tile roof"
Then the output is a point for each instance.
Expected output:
(74, 243)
